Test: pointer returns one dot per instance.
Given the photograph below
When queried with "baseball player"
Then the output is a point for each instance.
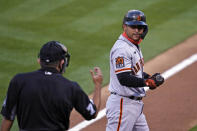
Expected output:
(43, 99)
(124, 107)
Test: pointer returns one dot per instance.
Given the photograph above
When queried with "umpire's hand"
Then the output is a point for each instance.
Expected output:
(97, 76)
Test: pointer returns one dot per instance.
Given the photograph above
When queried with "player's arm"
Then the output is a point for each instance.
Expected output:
(6, 125)
(129, 80)
(146, 75)
(121, 62)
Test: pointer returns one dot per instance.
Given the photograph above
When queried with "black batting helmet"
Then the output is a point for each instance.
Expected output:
(54, 51)
(136, 17)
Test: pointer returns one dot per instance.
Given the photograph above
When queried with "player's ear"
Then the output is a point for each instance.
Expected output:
(38, 60)
(62, 62)
(123, 27)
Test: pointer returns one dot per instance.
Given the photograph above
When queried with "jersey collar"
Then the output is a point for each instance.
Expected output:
(131, 40)
(49, 69)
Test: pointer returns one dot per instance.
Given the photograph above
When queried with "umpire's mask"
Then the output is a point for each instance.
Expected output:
(54, 51)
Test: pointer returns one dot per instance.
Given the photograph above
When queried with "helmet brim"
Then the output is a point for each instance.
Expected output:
(129, 23)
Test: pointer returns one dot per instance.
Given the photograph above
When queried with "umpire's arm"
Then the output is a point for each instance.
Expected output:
(85, 106)
(6, 125)
(97, 79)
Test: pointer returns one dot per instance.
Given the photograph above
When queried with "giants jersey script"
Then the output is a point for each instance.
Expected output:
(124, 57)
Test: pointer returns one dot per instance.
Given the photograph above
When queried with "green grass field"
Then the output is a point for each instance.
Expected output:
(194, 129)
(88, 28)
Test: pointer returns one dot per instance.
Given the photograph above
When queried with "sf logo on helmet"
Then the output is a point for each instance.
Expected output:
(138, 18)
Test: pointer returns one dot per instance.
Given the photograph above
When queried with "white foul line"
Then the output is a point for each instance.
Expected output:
(167, 74)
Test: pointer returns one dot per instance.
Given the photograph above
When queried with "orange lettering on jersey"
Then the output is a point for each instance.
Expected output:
(142, 61)
(138, 67)
(135, 69)
(132, 72)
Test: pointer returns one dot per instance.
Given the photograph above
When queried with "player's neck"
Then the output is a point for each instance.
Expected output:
(131, 40)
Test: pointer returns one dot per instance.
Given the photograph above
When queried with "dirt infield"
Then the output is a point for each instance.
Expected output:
(171, 107)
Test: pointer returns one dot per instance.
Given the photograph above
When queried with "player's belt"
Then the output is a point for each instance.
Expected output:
(130, 97)
(46, 130)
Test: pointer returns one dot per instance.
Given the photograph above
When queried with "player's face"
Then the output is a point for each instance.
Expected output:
(134, 32)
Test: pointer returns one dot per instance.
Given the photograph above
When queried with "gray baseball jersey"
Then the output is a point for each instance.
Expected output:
(124, 57)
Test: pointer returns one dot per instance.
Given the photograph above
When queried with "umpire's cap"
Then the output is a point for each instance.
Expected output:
(54, 51)
(136, 17)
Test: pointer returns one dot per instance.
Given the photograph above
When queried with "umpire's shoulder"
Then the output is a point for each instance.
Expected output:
(22, 76)
(69, 82)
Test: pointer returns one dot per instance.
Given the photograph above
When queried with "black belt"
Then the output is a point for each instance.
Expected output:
(46, 130)
(130, 97)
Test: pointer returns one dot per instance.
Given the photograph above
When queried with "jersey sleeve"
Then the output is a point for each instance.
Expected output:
(10, 102)
(121, 61)
(83, 104)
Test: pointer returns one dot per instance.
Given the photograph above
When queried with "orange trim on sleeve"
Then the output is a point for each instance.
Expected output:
(120, 117)
(123, 70)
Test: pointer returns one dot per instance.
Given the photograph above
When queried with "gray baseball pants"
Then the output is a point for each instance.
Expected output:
(124, 114)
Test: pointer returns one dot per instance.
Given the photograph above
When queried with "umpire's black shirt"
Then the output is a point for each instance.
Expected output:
(43, 101)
